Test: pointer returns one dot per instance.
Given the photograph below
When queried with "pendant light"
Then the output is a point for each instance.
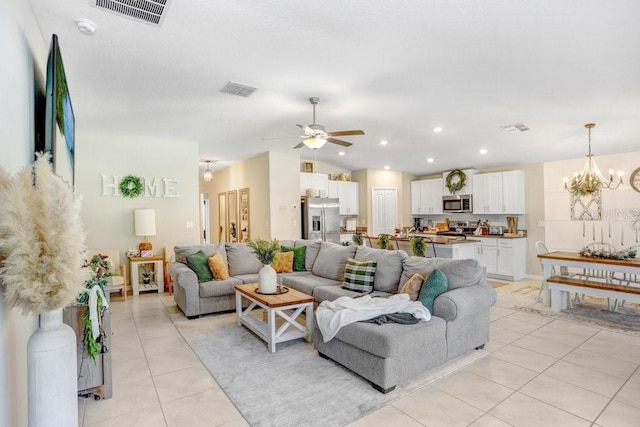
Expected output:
(208, 174)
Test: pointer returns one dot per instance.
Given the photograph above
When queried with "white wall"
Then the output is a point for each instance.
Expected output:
(620, 207)
(284, 191)
(108, 219)
(24, 54)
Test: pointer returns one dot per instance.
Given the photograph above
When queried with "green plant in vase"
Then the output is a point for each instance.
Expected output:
(383, 241)
(264, 250)
(418, 246)
(358, 239)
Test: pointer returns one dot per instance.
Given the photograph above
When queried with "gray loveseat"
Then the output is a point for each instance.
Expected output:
(385, 354)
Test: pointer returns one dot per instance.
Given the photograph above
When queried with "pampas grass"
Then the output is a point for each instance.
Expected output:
(42, 246)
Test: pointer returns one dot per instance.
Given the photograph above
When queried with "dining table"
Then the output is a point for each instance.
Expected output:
(559, 259)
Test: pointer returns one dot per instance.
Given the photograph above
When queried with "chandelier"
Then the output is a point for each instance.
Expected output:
(590, 179)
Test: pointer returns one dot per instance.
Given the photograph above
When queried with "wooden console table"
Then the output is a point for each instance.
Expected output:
(158, 268)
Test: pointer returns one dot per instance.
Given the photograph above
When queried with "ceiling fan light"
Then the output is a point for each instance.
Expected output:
(314, 142)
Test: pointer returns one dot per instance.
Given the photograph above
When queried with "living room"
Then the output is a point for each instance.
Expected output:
(105, 154)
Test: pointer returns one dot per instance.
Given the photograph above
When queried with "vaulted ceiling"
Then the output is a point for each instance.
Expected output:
(395, 69)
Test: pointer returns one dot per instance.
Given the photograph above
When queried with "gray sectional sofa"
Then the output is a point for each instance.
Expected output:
(385, 354)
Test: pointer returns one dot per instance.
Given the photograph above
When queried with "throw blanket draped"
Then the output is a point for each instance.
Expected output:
(333, 315)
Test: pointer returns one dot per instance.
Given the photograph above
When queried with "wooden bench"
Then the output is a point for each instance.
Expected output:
(561, 286)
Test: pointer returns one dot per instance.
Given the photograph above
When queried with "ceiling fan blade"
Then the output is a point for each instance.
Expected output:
(339, 142)
(306, 129)
(346, 132)
(278, 137)
(299, 145)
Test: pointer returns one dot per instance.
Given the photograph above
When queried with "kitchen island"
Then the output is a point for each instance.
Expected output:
(444, 247)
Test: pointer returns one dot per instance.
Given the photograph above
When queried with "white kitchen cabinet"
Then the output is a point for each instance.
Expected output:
(499, 193)
(503, 258)
(426, 197)
(347, 192)
(513, 195)
(487, 193)
(317, 181)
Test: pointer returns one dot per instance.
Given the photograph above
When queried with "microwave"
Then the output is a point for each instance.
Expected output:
(460, 203)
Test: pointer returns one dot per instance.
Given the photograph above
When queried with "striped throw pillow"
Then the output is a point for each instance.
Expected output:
(359, 275)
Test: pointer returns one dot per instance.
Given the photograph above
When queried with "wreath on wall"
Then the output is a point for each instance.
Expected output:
(455, 180)
(131, 186)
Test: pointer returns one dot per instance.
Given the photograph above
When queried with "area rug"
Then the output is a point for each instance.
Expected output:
(497, 283)
(591, 311)
(293, 386)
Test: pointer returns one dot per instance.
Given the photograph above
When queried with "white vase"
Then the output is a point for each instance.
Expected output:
(52, 373)
(267, 280)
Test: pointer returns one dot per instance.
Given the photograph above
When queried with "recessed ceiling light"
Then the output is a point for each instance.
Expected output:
(386, 167)
(483, 151)
(430, 160)
(437, 129)
(384, 142)
(341, 153)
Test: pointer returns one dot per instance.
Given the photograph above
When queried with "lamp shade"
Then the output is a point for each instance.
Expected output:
(145, 222)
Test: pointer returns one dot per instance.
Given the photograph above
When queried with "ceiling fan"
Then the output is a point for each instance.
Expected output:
(315, 136)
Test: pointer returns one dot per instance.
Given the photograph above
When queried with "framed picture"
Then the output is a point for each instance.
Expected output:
(232, 216)
(244, 215)
(307, 167)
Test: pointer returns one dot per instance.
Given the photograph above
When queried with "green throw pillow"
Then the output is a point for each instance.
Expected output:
(299, 255)
(359, 275)
(198, 262)
(435, 285)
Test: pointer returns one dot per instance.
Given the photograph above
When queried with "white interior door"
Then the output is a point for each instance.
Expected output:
(385, 210)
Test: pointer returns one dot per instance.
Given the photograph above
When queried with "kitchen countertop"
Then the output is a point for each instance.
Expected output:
(472, 236)
(440, 240)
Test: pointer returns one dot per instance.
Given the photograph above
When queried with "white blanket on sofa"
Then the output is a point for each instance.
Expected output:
(333, 315)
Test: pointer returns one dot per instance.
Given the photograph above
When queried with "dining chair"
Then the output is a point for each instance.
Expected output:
(118, 281)
(541, 248)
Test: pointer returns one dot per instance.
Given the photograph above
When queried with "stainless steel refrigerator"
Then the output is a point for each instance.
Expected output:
(321, 219)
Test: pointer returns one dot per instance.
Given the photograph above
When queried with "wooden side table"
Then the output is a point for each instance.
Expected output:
(158, 268)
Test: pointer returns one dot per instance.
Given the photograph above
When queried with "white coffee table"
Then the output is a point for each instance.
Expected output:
(275, 306)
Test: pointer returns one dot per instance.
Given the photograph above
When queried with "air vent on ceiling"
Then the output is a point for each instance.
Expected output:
(238, 89)
(148, 11)
(514, 127)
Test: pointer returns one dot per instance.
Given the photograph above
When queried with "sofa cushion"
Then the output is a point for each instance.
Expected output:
(394, 339)
(313, 247)
(330, 293)
(283, 262)
(389, 268)
(331, 260)
(248, 278)
(435, 285)
(218, 267)
(412, 287)
(217, 288)
(359, 275)
(299, 255)
(461, 272)
(241, 259)
(181, 252)
(306, 282)
(198, 263)
(290, 243)
(421, 265)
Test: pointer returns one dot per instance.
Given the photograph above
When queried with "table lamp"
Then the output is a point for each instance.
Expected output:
(145, 225)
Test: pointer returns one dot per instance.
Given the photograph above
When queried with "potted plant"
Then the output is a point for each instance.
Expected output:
(41, 269)
(383, 241)
(418, 246)
(358, 239)
(266, 251)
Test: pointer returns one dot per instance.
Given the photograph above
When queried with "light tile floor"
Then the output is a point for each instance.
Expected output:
(540, 372)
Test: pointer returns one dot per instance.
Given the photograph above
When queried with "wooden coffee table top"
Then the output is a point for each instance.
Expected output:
(281, 300)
